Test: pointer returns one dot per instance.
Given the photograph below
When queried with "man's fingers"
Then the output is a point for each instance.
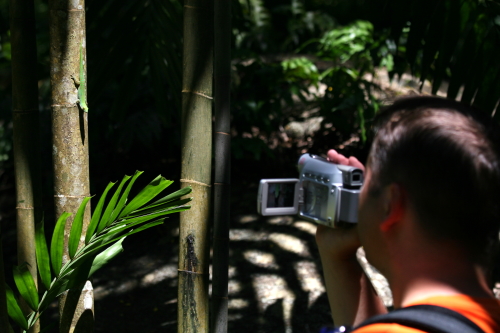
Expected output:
(337, 158)
(353, 161)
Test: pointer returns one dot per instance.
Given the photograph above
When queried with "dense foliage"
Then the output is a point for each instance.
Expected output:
(112, 221)
(293, 61)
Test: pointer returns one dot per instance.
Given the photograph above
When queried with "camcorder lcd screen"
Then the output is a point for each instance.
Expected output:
(280, 195)
(315, 199)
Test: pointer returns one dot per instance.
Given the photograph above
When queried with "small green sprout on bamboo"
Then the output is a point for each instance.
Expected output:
(106, 232)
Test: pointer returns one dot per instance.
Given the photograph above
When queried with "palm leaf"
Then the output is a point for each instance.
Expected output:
(57, 244)
(111, 206)
(26, 285)
(147, 194)
(104, 242)
(42, 254)
(96, 216)
(123, 198)
(76, 229)
(14, 310)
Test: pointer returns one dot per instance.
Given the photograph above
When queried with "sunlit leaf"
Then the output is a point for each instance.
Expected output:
(57, 243)
(173, 196)
(76, 228)
(14, 310)
(161, 207)
(147, 194)
(42, 254)
(111, 205)
(105, 256)
(124, 196)
(96, 216)
(26, 286)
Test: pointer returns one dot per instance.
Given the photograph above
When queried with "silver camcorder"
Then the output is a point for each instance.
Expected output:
(325, 193)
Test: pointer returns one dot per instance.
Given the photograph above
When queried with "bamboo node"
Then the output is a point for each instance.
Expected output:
(225, 133)
(194, 182)
(29, 207)
(190, 272)
(197, 93)
(69, 196)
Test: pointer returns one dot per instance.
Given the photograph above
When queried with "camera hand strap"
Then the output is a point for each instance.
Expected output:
(427, 318)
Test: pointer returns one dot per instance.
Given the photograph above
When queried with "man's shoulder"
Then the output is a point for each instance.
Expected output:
(484, 312)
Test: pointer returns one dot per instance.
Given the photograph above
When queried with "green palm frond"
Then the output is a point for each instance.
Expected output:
(103, 242)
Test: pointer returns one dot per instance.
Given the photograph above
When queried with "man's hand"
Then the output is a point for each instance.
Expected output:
(337, 158)
(341, 243)
(351, 297)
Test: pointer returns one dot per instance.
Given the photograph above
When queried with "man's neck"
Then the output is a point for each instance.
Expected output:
(435, 272)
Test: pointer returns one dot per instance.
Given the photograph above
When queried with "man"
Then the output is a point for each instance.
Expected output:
(429, 215)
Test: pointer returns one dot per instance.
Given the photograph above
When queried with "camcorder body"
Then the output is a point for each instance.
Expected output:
(325, 193)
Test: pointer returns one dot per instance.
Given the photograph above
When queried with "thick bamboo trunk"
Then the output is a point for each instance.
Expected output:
(70, 142)
(196, 166)
(26, 133)
(222, 85)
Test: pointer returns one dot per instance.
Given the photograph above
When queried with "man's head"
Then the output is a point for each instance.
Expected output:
(446, 158)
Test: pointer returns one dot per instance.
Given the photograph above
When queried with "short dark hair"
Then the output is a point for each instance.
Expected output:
(446, 155)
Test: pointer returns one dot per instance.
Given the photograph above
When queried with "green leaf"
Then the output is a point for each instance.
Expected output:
(111, 205)
(105, 256)
(33, 318)
(59, 285)
(147, 194)
(171, 197)
(159, 208)
(13, 308)
(96, 216)
(42, 254)
(123, 198)
(76, 228)
(26, 285)
(132, 222)
(94, 248)
(57, 243)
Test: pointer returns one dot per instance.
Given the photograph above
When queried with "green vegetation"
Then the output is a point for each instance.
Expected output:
(111, 223)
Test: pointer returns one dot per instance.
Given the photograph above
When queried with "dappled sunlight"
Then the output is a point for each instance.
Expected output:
(160, 274)
(270, 288)
(290, 243)
(261, 259)
(310, 280)
(238, 303)
(308, 227)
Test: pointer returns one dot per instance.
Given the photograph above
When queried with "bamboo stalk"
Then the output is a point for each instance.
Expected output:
(70, 142)
(222, 86)
(196, 166)
(26, 133)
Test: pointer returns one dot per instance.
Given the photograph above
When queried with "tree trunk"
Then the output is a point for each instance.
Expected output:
(196, 165)
(222, 85)
(26, 133)
(70, 143)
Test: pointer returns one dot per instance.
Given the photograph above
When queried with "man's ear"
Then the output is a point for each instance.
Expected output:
(395, 206)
